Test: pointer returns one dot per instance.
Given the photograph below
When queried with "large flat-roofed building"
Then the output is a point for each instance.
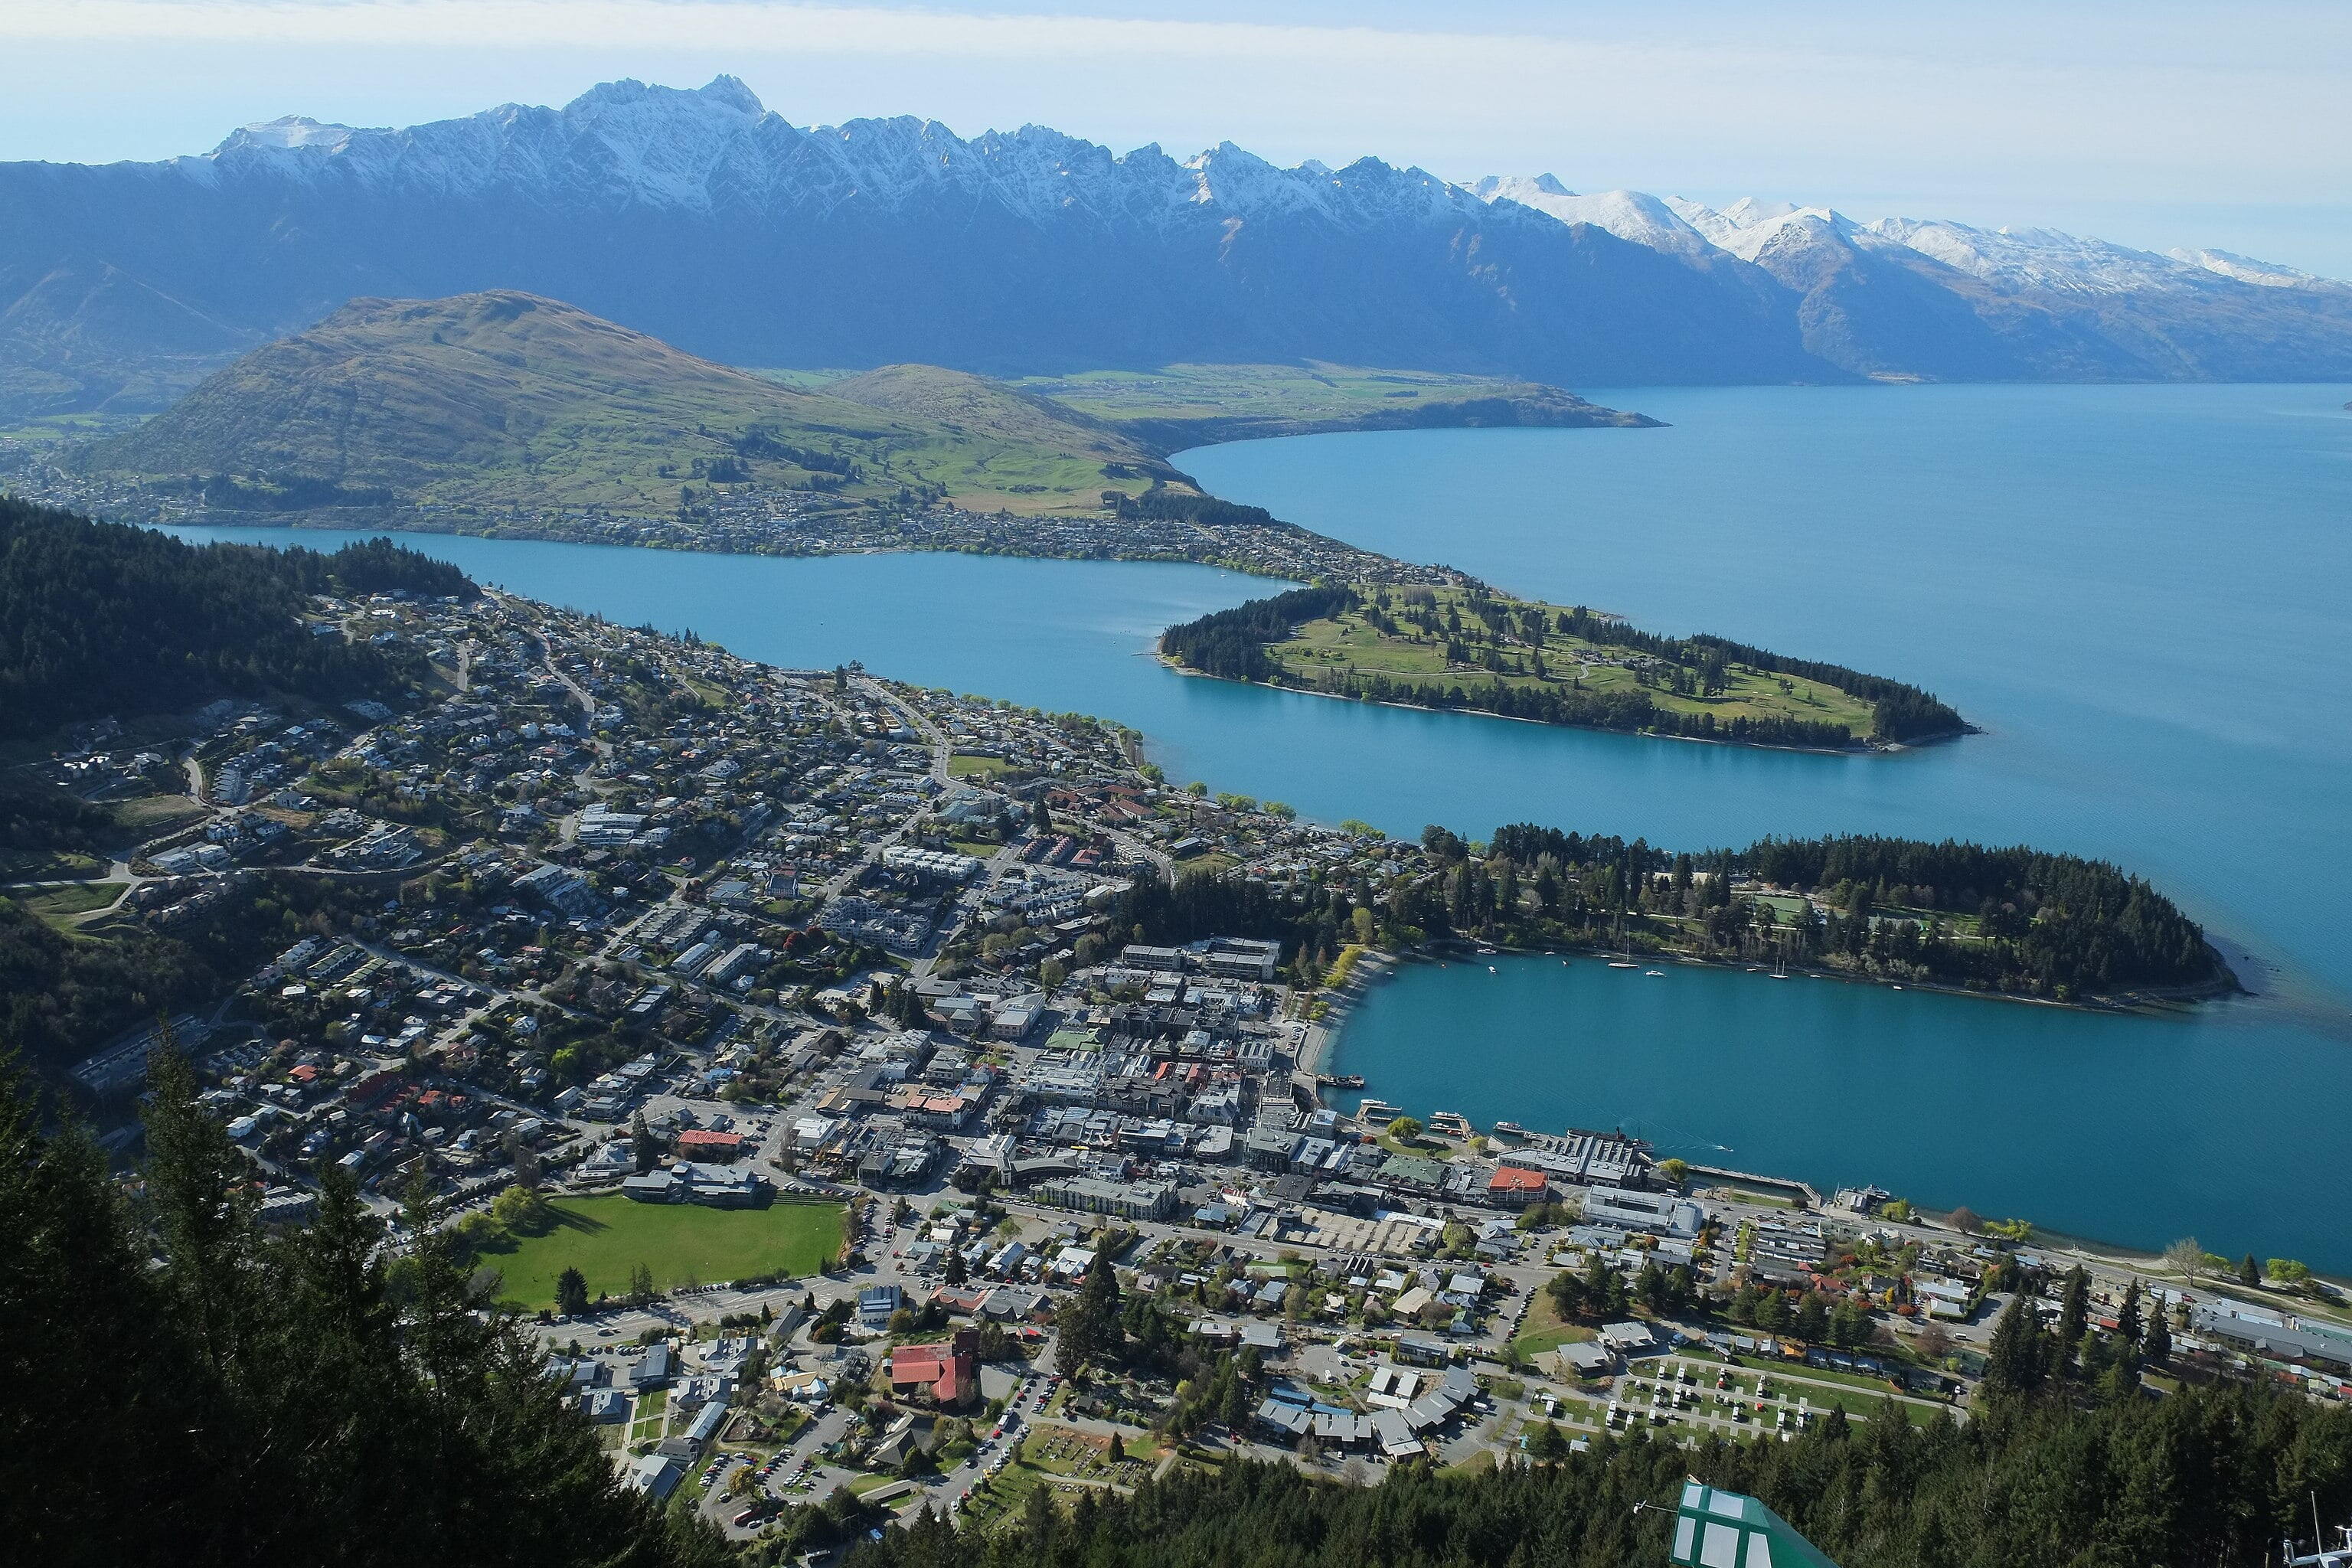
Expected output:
(1654, 1214)
(1125, 1200)
(1597, 1159)
(2273, 1334)
(1242, 958)
(687, 1183)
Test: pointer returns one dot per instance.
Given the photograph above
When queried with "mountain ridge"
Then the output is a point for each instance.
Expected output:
(701, 218)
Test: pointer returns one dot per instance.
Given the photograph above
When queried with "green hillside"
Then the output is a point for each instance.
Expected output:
(1019, 443)
(505, 399)
(1181, 405)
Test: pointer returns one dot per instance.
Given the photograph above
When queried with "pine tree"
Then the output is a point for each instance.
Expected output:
(1089, 1322)
(283, 1397)
(2073, 1316)
(2016, 1363)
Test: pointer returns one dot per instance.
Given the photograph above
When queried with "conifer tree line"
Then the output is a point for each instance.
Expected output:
(2015, 920)
(1232, 644)
(179, 1387)
(103, 617)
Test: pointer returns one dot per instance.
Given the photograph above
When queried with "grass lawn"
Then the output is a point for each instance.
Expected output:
(1350, 644)
(981, 768)
(1542, 1330)
(1002, 1496)
(59, 905)
(153, 816)
(47, 865)
(604, 1237)
(1182, 405)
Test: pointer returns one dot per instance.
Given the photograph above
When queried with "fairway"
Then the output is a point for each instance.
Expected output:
(604, 1238)
(1455, 643)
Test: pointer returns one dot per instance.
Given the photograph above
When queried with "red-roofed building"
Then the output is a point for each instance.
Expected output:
(374, 1087)
(702, 1143)
(949, 1371)
(1516, 1186)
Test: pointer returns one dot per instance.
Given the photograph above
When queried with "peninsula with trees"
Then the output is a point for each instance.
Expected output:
(1463, 645)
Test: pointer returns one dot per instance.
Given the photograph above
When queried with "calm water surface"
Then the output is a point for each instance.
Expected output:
(2140, 592)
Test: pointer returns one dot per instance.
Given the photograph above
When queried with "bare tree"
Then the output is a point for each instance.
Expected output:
(2186, 1258)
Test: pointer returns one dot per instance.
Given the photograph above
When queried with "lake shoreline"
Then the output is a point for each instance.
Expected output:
(2154, 1003)
(1858, 749)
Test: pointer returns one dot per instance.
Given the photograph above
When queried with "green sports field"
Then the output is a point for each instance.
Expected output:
(683, 1244)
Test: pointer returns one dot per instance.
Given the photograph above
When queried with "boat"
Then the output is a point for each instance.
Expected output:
(1492, 970)
(1654, 972)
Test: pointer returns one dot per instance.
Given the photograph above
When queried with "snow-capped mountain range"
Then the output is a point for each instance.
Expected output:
(2018, 260)
(702, 217)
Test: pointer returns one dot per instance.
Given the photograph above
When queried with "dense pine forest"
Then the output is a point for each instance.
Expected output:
(184, 1388)
(2016, 921)
(103, 619)
(1232, 644)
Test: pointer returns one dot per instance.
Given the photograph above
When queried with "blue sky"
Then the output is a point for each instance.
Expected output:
(2151, 124)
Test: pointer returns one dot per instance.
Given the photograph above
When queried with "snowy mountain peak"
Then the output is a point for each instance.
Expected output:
(725, 94)
(1747, 212)
(1632, 215)
(2245, 269)
(287, 132)
(1747, 227)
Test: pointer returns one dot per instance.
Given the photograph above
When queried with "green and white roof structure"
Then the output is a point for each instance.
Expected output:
(1717, 1529)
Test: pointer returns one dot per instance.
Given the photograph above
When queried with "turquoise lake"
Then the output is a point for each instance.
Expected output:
(2138, 592)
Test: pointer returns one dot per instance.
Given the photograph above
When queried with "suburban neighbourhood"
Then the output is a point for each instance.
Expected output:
(787, 1046)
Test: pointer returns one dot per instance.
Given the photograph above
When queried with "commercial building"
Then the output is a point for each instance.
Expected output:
(1655, 1214)
(1123, 1200)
